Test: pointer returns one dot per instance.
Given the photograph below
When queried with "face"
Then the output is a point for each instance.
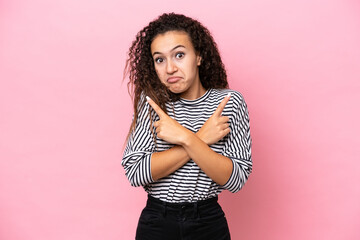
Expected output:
(177, 64)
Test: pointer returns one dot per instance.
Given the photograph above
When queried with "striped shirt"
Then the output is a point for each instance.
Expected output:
(189, 183)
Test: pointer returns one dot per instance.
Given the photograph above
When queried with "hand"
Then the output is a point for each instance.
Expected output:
(216, 127)
(167, 128)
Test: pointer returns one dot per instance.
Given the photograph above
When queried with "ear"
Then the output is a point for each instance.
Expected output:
(198, 60)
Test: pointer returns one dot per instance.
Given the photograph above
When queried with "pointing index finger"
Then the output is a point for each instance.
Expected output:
(156, 108)
(222, 105)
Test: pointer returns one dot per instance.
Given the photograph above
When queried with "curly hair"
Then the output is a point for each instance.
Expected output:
(140, 65)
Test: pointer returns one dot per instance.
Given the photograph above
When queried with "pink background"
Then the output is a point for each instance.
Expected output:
(64, 114)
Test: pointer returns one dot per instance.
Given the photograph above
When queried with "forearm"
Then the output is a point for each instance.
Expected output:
(168, 161)
(216, 166)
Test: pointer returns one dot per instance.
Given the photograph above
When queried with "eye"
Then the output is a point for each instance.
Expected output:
(159, 60)
(180, 55)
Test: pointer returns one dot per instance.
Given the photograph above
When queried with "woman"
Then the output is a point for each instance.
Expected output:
(190, 135)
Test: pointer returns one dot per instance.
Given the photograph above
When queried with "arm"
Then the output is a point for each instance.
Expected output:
(139, 148)
(168, 161)
(141, 163)
(215, 165)
(238, 145)
(195, 146)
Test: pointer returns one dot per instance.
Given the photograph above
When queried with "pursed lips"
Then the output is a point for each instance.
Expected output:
(173, 79)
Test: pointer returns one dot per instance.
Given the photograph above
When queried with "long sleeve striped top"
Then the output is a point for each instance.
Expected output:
(189, 183)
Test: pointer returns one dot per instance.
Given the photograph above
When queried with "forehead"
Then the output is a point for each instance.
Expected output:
(166, 41)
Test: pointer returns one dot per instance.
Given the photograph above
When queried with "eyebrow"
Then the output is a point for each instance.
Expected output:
(171, 49)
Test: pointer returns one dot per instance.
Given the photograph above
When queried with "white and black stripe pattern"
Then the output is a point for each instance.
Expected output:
(189, 183)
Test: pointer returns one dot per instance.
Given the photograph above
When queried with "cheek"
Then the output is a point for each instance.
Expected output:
(160, 75)
(191, 68)
(158, 72)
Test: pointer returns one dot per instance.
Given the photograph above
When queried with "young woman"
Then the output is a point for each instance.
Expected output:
(190, 135)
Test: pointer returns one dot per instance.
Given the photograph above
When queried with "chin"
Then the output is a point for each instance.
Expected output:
(176, 91)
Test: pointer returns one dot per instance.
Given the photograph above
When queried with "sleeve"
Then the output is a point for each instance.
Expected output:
(139, 148)
(238, 146)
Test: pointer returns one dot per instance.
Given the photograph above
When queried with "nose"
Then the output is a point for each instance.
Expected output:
(171, 67)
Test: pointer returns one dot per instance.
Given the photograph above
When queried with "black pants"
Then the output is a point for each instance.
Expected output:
(182, 221)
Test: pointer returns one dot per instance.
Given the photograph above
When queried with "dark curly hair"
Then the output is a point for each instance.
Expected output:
(140, 65)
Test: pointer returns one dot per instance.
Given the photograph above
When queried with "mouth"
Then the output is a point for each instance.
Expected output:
(173, 79)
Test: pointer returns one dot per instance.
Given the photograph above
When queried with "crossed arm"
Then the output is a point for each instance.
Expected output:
(192, 145)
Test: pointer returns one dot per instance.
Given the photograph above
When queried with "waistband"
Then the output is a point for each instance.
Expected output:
(183, 210)
(152, 200)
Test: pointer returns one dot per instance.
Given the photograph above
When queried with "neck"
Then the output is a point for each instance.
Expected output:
(194, 93)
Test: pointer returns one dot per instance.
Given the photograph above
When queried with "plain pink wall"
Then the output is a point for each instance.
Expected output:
(64, 114)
